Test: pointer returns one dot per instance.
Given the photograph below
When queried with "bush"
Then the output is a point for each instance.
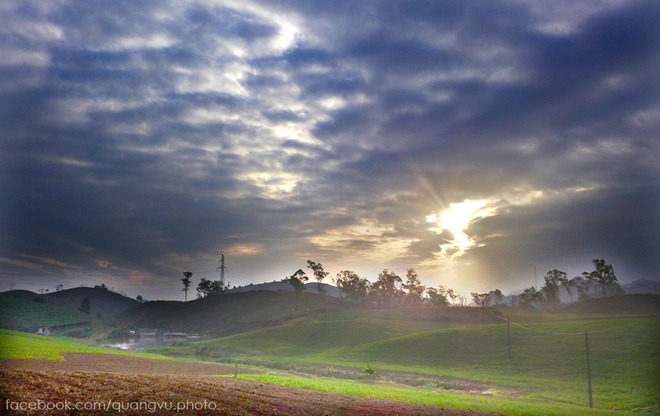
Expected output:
(85, 332)
(369, 372)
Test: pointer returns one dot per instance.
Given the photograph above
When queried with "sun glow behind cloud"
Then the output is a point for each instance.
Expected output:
(456, 219)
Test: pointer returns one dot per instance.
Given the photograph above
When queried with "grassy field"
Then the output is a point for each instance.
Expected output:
(549, 368)
(433, 398)
(21, 345)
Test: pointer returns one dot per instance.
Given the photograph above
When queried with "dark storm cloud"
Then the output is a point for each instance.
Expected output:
(154, 136)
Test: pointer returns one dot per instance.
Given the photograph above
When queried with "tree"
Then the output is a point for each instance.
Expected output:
(497, 296)
(572, 284)
(603, 276)
(451, 294)
(208, 287)
(437, 297)
(187, 279)
(297, 281)
(85, 306)
(355, 287)
(480, 299)
(581, 284)
(414, 288)
(59, 288)
(387, 289)
(589, 281)
(553, 279)
(462, 299)
(319, 274)
(530, 296)
(139, 298)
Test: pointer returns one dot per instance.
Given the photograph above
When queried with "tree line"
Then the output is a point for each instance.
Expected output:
(390, 290)
(602, 279)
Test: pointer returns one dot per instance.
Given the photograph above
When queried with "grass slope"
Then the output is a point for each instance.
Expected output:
(311, 337)
(549, 368)
(28, 316)
(21, 345)
(433, 398)
(624, 357)
(641, 303)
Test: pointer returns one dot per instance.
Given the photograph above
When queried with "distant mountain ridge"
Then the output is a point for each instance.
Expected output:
(311, 287)
(641, 286)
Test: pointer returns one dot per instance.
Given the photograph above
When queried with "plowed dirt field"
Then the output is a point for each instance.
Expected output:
(109, 384)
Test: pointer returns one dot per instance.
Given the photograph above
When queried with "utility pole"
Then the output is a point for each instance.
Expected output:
(222, 269)
(591, 395)
(508, 335)
(536, 285)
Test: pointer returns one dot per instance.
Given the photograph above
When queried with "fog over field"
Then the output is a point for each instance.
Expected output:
(471, 140)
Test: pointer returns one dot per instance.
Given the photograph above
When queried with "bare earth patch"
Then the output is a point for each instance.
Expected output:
(76, 361)
(139, 385)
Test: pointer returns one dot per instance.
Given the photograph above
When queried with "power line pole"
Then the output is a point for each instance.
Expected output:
(222, 269)
(536, 285)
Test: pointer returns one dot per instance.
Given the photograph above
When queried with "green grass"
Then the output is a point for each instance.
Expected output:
(28, 315)
(550, 369)
(21, 345)
(433, 398)
(312, 337)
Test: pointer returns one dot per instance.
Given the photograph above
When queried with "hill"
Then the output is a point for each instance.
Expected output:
(642, 286)
(637, 304)
(103, 301)
(547, 363)
(225, 314)
(312, 287)
(28, 316)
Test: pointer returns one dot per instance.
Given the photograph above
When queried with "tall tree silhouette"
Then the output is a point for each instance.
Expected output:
(186, 283)
(319, 274)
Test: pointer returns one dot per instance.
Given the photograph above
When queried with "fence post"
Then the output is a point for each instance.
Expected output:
(236, 370)
(591, 396)
(508, 335)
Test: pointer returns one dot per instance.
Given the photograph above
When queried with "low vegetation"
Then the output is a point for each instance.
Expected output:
(28, 316)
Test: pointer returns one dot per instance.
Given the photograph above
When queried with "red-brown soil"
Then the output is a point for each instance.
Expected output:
(140, 384)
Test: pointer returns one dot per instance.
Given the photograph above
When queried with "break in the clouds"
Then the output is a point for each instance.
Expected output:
(142, 139)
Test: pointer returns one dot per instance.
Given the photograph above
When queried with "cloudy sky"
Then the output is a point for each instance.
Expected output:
(471, 140)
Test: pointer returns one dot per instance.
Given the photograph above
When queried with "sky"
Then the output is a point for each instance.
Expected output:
(471, 140)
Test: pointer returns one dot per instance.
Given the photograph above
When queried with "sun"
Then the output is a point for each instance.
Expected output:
(456, 219)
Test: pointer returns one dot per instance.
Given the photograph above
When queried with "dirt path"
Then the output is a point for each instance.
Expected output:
(133, 385)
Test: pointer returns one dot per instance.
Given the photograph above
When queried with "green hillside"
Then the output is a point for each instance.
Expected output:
(641, 303)
(625, 363)
(308, 337)
(547, 367)
(103, 301)
(226, 314)
(21, 315)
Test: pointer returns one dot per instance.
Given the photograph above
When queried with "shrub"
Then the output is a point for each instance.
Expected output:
(369, 372)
